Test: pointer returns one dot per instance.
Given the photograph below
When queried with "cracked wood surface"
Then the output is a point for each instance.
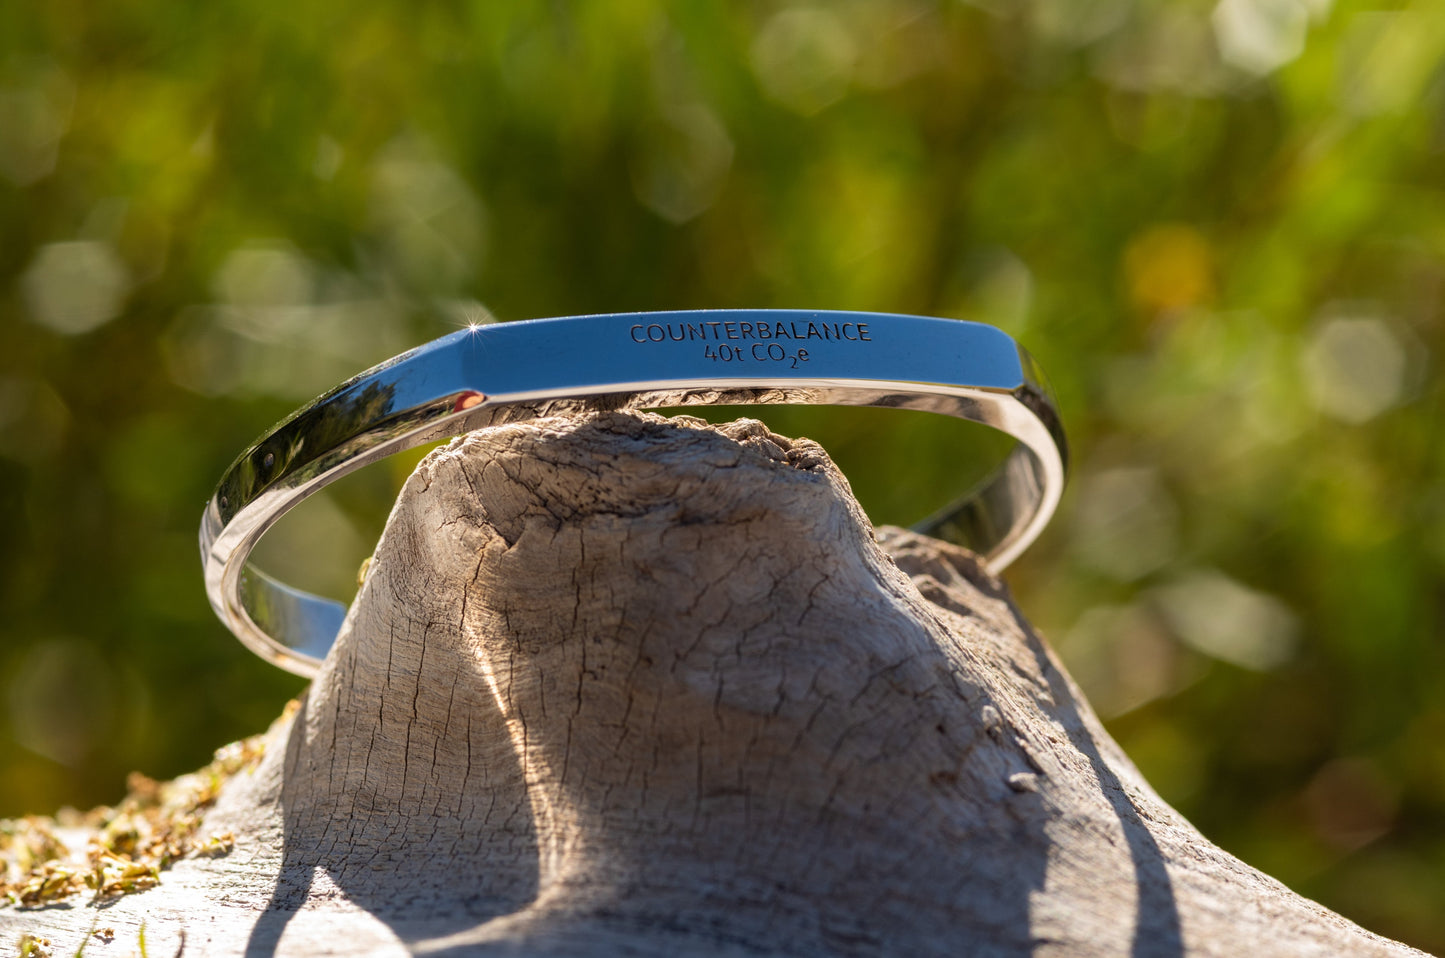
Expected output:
(629, 686)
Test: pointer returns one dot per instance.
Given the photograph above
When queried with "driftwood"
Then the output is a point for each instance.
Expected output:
(629, 686)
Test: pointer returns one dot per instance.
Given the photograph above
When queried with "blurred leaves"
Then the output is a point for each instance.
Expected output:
(1219, 226)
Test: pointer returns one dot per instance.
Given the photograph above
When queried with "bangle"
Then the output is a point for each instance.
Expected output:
(509, 371)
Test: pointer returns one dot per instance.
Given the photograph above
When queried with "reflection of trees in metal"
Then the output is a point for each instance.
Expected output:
(315, 437)
(651, 399)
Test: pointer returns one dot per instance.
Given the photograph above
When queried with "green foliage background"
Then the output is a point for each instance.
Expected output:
(1218, 226)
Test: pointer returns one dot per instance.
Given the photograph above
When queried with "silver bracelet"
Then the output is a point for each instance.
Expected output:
(505, 372)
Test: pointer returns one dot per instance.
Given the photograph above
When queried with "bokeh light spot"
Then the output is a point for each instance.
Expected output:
(804, 58)
(1260, 36)
(75, 287)
(1354, 368)
(34, 115)
(1125, 523)
(1124, 657)
(1350, 803)
(1077, 22)
(431, 224)
(61, 700)
(1171, 49)
(684, 162)
(1169, 267)
(264, 275)
(1227, 620)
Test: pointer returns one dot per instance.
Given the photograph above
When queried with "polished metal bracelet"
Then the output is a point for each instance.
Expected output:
(510, 371)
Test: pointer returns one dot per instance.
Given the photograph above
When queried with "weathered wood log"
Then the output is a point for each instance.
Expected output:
(628, 686)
